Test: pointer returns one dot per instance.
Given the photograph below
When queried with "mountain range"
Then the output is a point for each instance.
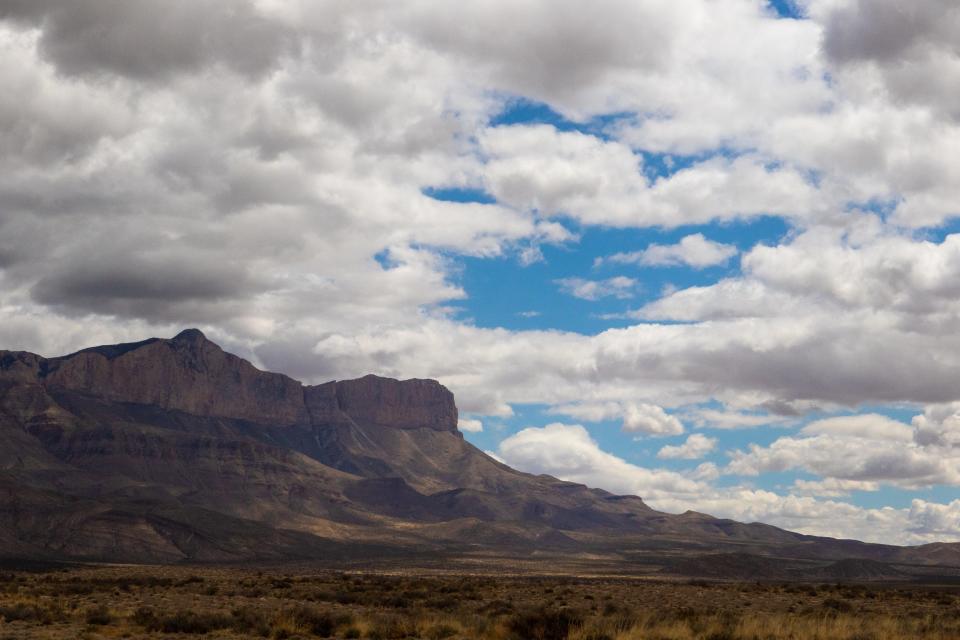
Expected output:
(173, 450)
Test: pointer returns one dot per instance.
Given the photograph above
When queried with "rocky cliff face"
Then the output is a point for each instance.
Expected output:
(407, 404)
(191, 374)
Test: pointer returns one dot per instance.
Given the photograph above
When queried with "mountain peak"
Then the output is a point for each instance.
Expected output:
(190, 335)
(187, 373)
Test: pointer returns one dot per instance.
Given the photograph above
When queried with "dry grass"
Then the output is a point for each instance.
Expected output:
(165, 602)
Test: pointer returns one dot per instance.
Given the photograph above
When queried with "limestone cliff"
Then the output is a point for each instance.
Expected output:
(189, 373)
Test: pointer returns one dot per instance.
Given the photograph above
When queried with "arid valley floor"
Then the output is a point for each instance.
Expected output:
(182, 602)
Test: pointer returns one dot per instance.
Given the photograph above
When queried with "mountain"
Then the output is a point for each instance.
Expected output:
(173, 450)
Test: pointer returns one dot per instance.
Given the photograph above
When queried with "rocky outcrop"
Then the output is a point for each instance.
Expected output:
(191, 374)
(406, 404)
(188, 373)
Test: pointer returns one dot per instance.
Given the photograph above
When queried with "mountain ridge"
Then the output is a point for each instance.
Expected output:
(174, 450)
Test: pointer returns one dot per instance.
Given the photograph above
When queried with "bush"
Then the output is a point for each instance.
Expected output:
(544, 624)
(183, 622)
(393, 628)
(99, 616)
(16, 612)
(839, 606)
(440, 632)
(319, 623)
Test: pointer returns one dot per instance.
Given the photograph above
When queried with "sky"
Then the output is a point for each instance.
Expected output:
(701, 251)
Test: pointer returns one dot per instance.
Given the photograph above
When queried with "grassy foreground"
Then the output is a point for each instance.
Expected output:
(139, 602)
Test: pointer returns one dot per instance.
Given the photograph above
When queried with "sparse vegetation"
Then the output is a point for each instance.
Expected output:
(170, 603)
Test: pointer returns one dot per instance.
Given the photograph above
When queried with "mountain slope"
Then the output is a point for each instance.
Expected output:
(174, 450)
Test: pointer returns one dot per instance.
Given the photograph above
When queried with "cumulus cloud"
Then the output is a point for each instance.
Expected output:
(696, 446)
(939, 425)
(636, 417)
(539, 168)
(868, 426)
(470, 425)
(912, 46)
(726, 419)
(859, 449)
(145, 41)
(616, 287)
(832, 487)
(568, 452)
(694, 250)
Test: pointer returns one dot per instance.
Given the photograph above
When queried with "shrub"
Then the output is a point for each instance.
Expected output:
(544, 624)
(839, 606)
(319, 623)
(393, 628)
(183, 622)
(99, 616)
(440, 632)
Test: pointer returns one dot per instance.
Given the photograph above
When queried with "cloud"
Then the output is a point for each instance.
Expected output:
(696, 446)
(939, 425)
(539, 168)
(568, 452)
(693, 251)
(869, 426)
(935, 520)
(617, 287)
(717, 419)
(470, 425)
(636, 417)
(142, 41)
(912, 47)
(866, 448)
(832, 487)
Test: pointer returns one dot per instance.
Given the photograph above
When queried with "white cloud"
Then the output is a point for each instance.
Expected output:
(649, 418)
(936, 521)
(637, 417)
(717, 419)
(694, 250)
(696, 446)
(568, 452)
(832, 487)
(538, 168)
(912, 48)
(868, 426)
(470, 425)
(939, 425)
(616, 287)
(865, 448)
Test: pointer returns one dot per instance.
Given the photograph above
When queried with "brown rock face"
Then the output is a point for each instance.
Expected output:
(191, 374)
(188, 373)
(406, 404)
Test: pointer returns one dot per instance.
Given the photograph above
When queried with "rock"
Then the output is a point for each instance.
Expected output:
(187, 373)
(190, 373)
(406, 404)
